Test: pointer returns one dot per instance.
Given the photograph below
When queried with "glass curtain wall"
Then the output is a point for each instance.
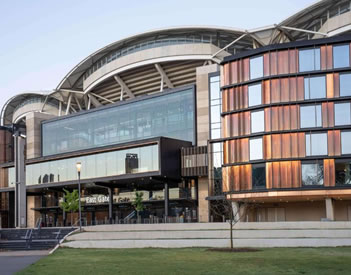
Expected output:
(169, 115)
(128, 161)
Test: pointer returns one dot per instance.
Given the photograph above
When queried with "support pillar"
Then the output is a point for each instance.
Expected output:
(329, 208)
(20, 190)
(166, 195)
(110, 205)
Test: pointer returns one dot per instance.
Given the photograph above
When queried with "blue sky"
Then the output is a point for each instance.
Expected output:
(41, 40)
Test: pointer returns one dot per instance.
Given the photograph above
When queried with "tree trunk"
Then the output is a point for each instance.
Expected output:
(231, 235)
(72, 218)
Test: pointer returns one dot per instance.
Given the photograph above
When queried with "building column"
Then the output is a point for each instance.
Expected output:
(20, 189)
(203, 210)
(32, 215)
(329, 209)
(110, 204)
(166, 195)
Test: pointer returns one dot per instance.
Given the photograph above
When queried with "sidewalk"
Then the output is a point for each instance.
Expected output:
(14, 261)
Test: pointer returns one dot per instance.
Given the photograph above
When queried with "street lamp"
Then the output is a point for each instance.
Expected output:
(79, 167)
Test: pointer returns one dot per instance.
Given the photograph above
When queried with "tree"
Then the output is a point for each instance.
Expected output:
(70, 202)
(138, 202)
(232, 211)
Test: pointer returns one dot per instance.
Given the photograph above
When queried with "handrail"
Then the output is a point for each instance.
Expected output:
(129, 216)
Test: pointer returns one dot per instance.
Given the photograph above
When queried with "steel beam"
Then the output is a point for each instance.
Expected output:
(164, 77)
(124, 86)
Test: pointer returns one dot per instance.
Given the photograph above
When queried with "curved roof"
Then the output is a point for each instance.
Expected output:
(70, 80)
(16, 100)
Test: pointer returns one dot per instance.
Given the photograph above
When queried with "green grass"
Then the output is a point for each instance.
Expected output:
(194, 261)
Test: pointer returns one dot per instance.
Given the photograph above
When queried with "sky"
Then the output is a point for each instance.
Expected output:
(42, 40)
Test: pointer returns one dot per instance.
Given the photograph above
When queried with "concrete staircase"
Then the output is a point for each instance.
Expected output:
(32, 239)
(277, 234)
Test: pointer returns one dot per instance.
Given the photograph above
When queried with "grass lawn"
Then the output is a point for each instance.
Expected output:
(194, 261)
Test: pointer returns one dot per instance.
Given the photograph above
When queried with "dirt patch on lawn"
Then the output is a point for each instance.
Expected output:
(237, 250)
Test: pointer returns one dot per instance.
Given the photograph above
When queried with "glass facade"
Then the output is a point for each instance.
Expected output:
(256, 148)
(342, 114)
(309, 60)
(169, 115)
(316, 144)
(312, 174)
(257, 122)
(345, 84)
(311, 116)
(346, 142)
(216, 107)
(342, 172)
(128, 161)
(341, 56)
(315, 87)
(255, 94)
(256, 67)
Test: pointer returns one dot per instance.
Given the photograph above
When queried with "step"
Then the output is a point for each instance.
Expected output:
(172, 243)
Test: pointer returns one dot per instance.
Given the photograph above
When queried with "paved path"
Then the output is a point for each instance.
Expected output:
(14, 261)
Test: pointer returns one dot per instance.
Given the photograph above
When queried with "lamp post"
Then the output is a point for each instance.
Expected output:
(79, 167)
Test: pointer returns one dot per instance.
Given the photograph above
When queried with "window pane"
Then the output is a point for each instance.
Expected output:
(215, 91)
(341, 56)
(317, 87)
(310, 116)
(215, 114)
(256, 67)
(257, 122)
(312, 174)
(316, 144)
(342, 173)
(345, 142)
(345, 84)
(258, 177)
(309, 60)
(256, 149)
(255, 95)
(342, 114)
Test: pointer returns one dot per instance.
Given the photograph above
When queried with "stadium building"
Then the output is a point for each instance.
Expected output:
(187, 115)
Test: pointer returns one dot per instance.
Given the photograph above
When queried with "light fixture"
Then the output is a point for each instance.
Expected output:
(79, 166)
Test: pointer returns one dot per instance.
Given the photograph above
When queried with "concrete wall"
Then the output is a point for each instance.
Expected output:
(300, 211)
(276, 234)
(202, 119)
(33, 124)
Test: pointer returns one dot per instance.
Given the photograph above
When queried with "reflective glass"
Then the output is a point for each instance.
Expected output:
(215, 114)
(345, 142)
(309, 60)
(257, 122)
(342, 173)
(256, 67)
(127, 161)
(312, 174)
(315, 87)
(316, 144)
(310, 116)
(256, 148)
(258, 176)
(215, 90)
(345, 84)
(342, 114)
(341, 56)
(255, 95)
(170, 115)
